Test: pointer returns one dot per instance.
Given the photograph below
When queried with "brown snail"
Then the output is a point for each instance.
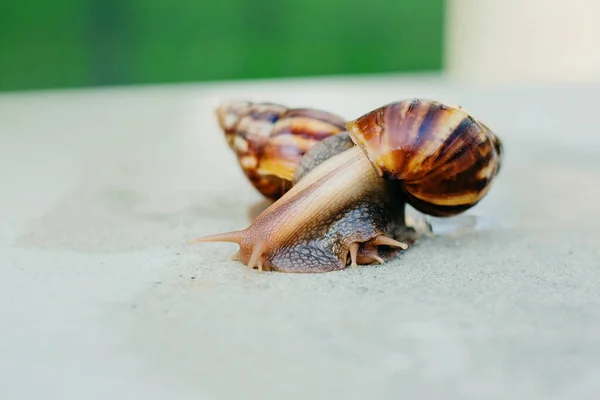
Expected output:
(270, 139)
(349, 194)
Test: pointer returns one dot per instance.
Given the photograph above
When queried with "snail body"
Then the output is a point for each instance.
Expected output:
(347, 203)
(269, 140)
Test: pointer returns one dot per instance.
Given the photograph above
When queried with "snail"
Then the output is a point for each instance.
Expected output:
(269, 140)
(346, 205)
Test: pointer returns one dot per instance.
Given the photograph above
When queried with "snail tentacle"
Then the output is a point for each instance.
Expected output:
(386, 241)
(354, 253)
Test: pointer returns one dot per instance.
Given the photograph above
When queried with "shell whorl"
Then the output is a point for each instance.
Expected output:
(444, 159)
(269, 140)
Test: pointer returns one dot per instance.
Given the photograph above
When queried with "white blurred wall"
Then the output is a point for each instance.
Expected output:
(508, 41)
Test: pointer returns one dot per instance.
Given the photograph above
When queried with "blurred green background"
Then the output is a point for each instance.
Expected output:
(80, 43)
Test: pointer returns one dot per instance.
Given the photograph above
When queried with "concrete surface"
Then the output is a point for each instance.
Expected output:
(102, 298)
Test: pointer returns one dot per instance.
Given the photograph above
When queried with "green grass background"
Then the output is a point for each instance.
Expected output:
(78, 43)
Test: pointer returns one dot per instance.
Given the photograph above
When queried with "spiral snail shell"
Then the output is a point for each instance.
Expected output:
(445, 159)
(347, 203)
(270, 139)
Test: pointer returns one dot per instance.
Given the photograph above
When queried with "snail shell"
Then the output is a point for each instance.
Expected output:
(269, 140)
(444, 158)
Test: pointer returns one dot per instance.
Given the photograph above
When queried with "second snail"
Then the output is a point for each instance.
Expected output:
(340, 188)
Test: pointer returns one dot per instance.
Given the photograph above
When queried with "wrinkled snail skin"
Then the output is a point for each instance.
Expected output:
(348, 200)
(269, 140)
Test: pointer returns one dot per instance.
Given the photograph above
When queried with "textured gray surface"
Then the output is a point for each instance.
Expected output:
(100, 296)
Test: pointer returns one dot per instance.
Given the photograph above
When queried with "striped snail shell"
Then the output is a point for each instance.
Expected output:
(444, 158)
(270, 139)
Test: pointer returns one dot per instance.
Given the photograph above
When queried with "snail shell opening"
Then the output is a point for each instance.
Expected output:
(444, 159)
